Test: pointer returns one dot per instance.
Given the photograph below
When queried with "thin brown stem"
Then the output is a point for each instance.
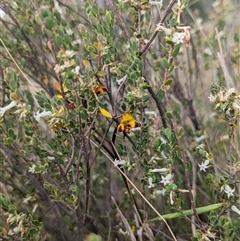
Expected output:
(3, 85)
(158, 104)
(119, 18)
(154, 35)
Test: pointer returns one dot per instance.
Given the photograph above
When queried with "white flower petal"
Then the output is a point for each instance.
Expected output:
(150, 181)
(69, 31)
(123, 79)
(166, 180)
(229, 191)
(39, 115)
(165, 30)
(32, 168)
(204, 165)
(161, 170)
(6, 108)
(235, 209)
(119, 162)
(178, 38)
(160, 192)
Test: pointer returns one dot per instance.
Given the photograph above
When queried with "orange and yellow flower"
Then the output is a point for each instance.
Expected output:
(127, 123)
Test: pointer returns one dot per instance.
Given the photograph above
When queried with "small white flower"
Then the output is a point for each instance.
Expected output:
(76, 70)
(70, 53)
(160, 192)
(166, 180)
(161, 170)
(204, 165)
(208, 51)
(158, 3)
(39, 115)
(165, 30)
(235, 209)
(6, 108)
(133, 191)
(32, 168)
(77, 41)
(222, 34)
(22, 110)
(200, 138)
(229, 92)
(2, 14)
(236, 105)
(94, 177)
(212, 98)
(57, 7)
(136, 129)
(25, 200)
(229, 191)
(16, 230)
(119, 162)
(51, 158)
(178, 38)
(69, 31)
(149, 112)
(199, 23)
(123, 79)
(150, 182)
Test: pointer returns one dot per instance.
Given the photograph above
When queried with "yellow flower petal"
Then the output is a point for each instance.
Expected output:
(86, 63)
(127, 123)
(100, 89)
(105, 113)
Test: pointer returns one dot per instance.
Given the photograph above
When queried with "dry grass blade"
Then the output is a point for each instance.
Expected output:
(29, 81)
(228, 79)
(125, 222)
(148, 231)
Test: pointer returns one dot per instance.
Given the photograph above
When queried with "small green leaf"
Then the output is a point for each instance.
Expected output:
(176, 50)
(45, 13)
(8, 141)
(168, 82)
(210, 156)
(168, 133)
(68, 75)
(133, 45)
(49, 23)
(101, 73)
(185, 2)
(164, 63)
(169, 115)
(11, 133)
(133, 76)
(33, 231)
(109, 18)
(67, 39)
(59, 40)
(49, 146)
(42, 98)
(4, 202)
(93, 237)
(180, 131)
(90, 48)
(13, 83)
